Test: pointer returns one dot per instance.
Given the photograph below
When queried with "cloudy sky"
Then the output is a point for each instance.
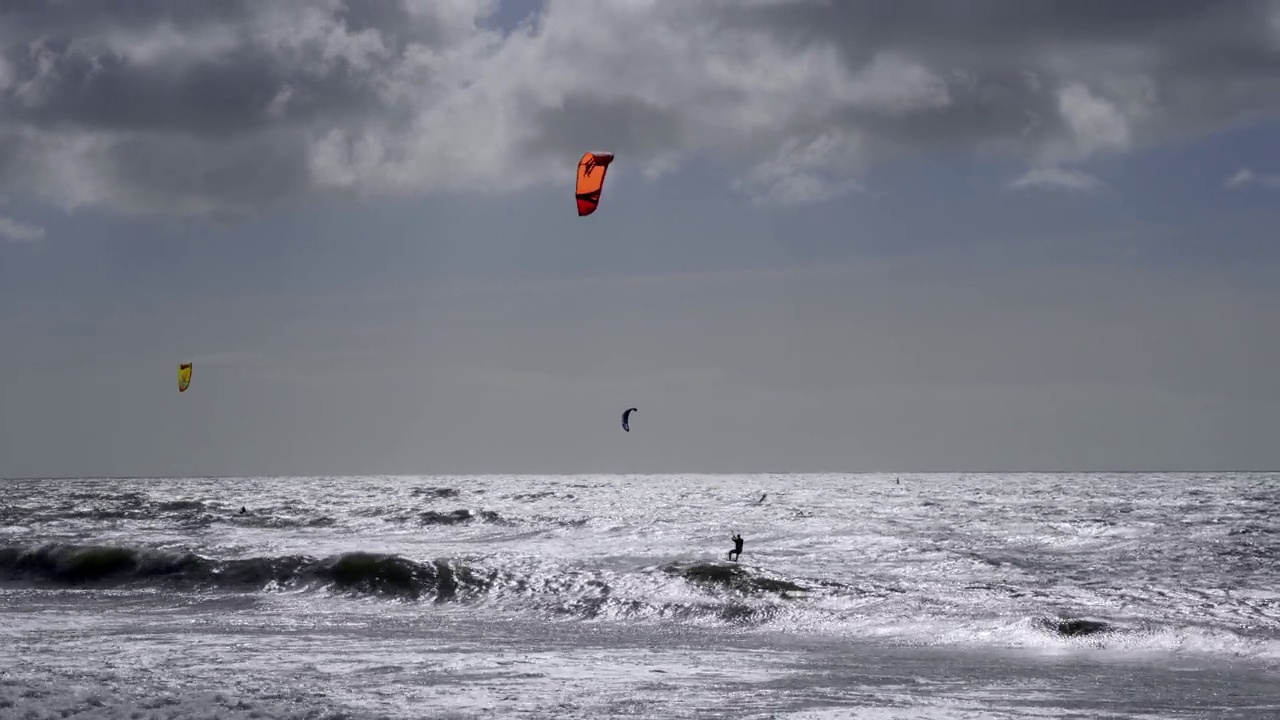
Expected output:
(898, 236)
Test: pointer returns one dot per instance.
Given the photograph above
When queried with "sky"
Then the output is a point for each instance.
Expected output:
(847, 236)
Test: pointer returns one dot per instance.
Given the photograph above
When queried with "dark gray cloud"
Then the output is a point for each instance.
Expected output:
(193, 109)
(1054, 79)
(226, 106)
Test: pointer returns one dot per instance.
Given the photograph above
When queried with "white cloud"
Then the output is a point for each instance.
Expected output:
(1095, 124)
(15, 231)
(1054, 177)
(1245, 177)
(805, 172)
(197, 111)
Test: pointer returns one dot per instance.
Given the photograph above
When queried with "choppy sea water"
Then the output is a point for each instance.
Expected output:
(859, 596)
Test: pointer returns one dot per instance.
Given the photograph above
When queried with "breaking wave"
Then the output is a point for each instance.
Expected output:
(690, 591)
(721, 593)
(357, 572)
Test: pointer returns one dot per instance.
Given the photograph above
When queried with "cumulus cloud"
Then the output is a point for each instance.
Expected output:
(15, 231)
(229, 107)
(1245, 177)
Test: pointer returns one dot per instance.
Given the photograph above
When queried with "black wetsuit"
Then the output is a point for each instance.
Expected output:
(737, 548)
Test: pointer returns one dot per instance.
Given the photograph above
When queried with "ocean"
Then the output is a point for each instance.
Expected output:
(590, 596)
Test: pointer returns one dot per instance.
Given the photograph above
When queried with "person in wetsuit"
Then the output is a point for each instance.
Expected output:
(737, 548)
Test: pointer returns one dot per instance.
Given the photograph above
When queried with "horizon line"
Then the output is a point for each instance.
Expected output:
(794, 473)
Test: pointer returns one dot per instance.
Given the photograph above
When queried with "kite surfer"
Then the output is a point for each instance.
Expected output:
(736, 552)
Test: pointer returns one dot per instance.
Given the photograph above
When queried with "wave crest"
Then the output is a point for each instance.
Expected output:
(359, 573)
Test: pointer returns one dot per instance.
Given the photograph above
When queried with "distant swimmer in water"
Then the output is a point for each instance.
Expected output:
(736, 552)
(762, 497)
(243, 511)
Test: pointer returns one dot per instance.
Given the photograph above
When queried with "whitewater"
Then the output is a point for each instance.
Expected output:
(857, 596)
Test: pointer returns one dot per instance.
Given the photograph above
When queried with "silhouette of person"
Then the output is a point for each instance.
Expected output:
(737, 548)
(762, 497)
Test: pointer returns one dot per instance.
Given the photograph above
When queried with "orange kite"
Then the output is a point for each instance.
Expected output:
(591, 170)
